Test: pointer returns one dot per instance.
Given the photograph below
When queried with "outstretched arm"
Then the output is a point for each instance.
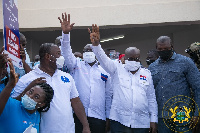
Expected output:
(5, 94)
(105, 62)
(80, 113)
(70, 59)
(153, 107)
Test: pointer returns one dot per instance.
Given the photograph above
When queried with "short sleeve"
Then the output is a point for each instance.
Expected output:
(74, 92)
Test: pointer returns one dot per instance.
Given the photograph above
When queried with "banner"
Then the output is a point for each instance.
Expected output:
(11, 32)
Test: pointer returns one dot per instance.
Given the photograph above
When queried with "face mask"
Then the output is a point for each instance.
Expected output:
(149, 61)
(165, 54)
(89, 57)
(79, 58)
(131, 65)
(4, 78)
(59, 61)
(38, 62)
(28, 103)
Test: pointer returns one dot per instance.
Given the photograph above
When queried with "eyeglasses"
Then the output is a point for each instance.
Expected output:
(133, 59)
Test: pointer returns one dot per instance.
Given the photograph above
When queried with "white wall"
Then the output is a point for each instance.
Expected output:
(44, 13)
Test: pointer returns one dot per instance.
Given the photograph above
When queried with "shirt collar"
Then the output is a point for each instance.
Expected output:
(39, 71)
(96, 64)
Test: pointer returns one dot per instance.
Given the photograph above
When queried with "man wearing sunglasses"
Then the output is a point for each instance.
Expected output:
(134, 106)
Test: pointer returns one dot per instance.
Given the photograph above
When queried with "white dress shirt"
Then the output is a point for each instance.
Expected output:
(92, 82)
(134, 103)
(59, 117)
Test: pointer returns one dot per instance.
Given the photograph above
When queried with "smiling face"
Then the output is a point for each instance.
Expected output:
(54, 53)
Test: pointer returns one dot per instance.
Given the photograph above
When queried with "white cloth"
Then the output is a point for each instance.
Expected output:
(27, 57)
(134, 103)
(59, 118)
(94, 93)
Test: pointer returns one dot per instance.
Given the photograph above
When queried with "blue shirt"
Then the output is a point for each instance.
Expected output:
(2, 86)
(175, 77)
(15, 118)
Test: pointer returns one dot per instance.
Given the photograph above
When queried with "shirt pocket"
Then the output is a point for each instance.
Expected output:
(100, 78)
(174, 74)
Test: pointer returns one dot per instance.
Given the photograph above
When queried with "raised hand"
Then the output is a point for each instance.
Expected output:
(38, 81)
(94, 35)
(13, 76)
(65, 23)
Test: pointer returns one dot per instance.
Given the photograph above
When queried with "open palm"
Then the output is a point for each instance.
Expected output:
(65, 23)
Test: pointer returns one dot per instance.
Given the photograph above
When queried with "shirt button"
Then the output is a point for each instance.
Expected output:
(163, 96)
(161, 87)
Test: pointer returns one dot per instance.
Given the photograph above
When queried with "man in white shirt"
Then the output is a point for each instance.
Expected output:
(59, 118)
(134, 105)
(92, 82)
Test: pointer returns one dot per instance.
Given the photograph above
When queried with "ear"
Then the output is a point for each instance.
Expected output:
(47, 56)
(40, 105)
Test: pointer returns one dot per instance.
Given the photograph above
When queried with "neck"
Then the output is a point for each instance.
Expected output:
(91, 64)
(46, 69)
(31, 111)
(133, 72)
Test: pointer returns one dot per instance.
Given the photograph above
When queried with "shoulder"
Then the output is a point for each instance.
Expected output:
(145, 70)
(102, 70)
(153, 65)
(183, 59)
(28, 77)
(13, 103)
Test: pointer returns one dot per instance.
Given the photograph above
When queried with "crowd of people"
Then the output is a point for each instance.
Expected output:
(98, 91)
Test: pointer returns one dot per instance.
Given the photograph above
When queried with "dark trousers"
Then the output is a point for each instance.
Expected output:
(96, 125)
(117, 127)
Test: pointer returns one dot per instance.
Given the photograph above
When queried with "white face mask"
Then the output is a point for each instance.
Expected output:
(28, 103)
(131, 65)
(59, 61)
(89, 57)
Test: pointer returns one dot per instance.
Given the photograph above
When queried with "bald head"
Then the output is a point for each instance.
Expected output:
(164, 40)
(87, 48)
(132, 52)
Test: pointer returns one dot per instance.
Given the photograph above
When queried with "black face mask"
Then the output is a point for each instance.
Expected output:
(149, 61)
(165, 54)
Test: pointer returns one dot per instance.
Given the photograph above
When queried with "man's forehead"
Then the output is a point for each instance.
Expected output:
(87, 46)
(55, 48)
